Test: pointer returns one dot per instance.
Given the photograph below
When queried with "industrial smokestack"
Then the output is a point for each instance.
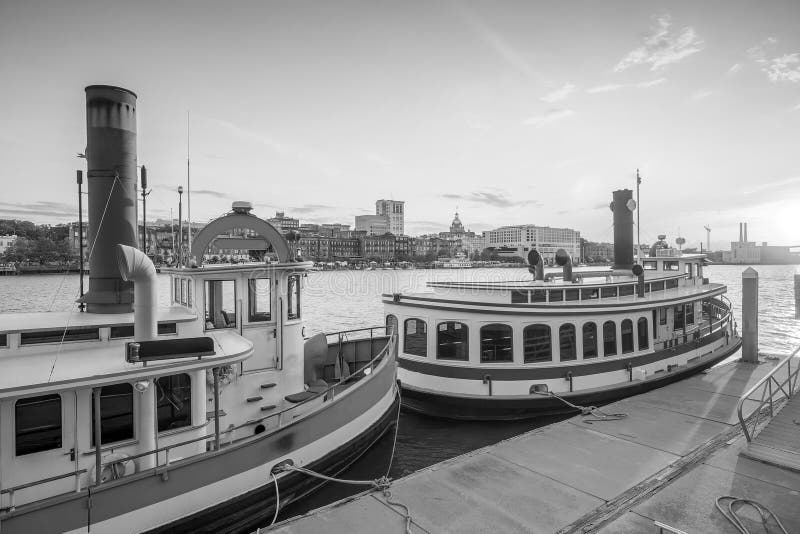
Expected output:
(745, 232)
(111, 160)
(741, 234)
(564, 261)
(623, 206)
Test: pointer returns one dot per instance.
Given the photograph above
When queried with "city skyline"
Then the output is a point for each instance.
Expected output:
(517, 114)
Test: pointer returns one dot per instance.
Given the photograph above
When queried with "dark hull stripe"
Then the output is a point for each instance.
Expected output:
(599, 365)
(588, 307)
(144, 489)
(510, 408)
(257, 507)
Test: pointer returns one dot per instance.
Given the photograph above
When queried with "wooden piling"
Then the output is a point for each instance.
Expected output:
(750, 315)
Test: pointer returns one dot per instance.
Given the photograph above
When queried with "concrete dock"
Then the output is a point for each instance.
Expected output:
(668, 461)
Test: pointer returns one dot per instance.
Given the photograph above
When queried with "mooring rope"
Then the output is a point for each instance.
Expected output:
(734, 519)
(587, 410)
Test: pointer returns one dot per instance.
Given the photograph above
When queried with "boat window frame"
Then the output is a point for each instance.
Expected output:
(517, 294)
(559, 297)
(223, 313)
(510, 349)
(592, 292)
(565, 348)
(608, 292)
(611, 340)
(63, 335)
(464, 341)
(529, 350)
(626, 290)
(424, 336)
(643, 333)
(388, 322)
(671, 283)
(539, 295)
(296, 313)
(663, 316)
(186, 400)
(688, 269)
(53, 444)
(627, 344)
(176, 289)
(3, 340)
(650, 265)
(254, 314)
(132, 416)
(688, 313)
(672, 265)
(678, 312)
(593, 336)
(572, 294)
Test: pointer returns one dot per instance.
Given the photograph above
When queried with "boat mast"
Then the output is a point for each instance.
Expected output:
(188, 190)
(638, 211)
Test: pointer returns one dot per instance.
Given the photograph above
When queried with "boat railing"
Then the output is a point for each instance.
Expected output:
(696, 334)
(281, 418)
(770, 394)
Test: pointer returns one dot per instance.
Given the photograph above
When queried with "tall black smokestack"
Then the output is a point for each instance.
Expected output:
(623, 206)
(111, 159)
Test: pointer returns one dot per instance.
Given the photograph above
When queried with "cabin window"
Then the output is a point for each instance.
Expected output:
(259, 298)
(662, 316)
(690, 313)
(293, 304)
(176, 290)
(539, 295)
(566, 342)
(650, 265)
(57, 336)
(606, 292)
(641, 325)
(589, 293)
(556, 295)
(116, 414)
(657, 286)
(189, 301)
(220, 304)
(183, 291)
(126, 330)
(519, 297)
(627, 336)
(688, 270)
(165, 329)
(174, 401)
(671, 266)
(496, 343)
(609, 338)
(391, 325)
(678, 318)
(3, 340)
(589, 340)
(537, 343)
(415, 340)
(37, 424)
(571, 294)
(452, 342)
(672, 283)
(624, 291)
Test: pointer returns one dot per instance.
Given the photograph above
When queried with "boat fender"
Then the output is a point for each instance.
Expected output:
(115, 465)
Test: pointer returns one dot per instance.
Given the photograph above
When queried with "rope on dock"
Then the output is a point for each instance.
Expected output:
(598, 414)
(734, 519)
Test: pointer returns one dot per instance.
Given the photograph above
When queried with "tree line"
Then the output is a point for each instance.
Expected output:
(36, 243)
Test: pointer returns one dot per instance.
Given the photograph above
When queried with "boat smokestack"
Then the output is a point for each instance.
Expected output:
(111, 161)
(623, 206)
(536, 267)
(564, 261)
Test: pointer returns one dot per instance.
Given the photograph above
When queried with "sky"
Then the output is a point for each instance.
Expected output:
(509, 112)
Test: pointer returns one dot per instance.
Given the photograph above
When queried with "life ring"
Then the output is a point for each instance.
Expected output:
(226, 375)
(115, 465)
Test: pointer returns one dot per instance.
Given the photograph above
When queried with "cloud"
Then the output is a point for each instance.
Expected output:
(736, 67)
(783, 68)
(497, 200)
(311, 208)
(40, 210)
(662, 47)
(552, 115)
(605, 88)
(796, 108)
(558, 94)
(778, 184)
(651, 83)
(704, 93)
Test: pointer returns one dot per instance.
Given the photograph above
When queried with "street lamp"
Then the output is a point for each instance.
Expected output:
(180, 225)
(145, 192)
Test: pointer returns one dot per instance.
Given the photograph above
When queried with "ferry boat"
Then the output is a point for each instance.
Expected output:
(130, 417)
(458, 261)
(514, 350)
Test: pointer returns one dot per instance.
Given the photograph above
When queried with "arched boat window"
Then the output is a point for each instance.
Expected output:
(678, 318)
(293, 301)
(537, 343)
(452, 341)
(609, 338)
(627, 336)
(37, 424)
(174, 401)
(589, 340)
(496, 345)
(642, 326)
(220, 304)
(116, 413)
(391, 325)
(259, 300)
(416, 337)
(690, 313)
(566, 342)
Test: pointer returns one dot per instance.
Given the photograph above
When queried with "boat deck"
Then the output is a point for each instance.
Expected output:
(668, 461)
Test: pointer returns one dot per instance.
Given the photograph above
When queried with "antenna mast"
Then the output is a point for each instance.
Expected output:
(188, 189)
(638, 211)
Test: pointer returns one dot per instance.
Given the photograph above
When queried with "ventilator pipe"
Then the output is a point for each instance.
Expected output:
(536, 267)
(136, 267)
(564, 261)
(638, 272)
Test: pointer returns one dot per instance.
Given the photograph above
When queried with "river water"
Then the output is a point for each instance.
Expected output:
(340, 300)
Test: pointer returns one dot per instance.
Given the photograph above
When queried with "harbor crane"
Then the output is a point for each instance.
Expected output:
(708, 237)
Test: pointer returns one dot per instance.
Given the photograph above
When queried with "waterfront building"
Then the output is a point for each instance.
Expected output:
(309, 229)
(394, 212)
(597, 252)
(6, 241)
(380, 247)
(747, 252)
(519, 240)
(373, 224)
(335, 228)
(284, 223)
(473, 244)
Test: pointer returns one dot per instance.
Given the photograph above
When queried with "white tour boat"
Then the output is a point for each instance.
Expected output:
(458, 261)
(131, 417)
(512, 350)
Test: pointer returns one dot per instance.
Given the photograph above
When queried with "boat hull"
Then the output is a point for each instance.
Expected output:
(514, 407)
